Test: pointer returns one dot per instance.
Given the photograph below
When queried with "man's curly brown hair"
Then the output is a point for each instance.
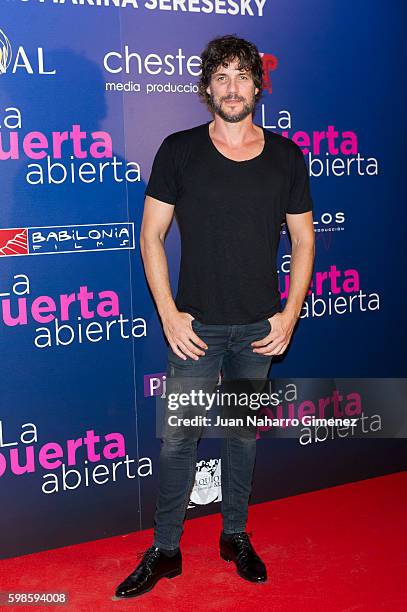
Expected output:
(221, 51)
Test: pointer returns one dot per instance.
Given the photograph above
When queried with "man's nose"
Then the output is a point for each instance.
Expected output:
(232, 87)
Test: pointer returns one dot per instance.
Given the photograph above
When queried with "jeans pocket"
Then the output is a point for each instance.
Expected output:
(268, 325)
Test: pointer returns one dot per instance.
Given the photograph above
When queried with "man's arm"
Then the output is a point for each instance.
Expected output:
(177, 327)
(301, 230)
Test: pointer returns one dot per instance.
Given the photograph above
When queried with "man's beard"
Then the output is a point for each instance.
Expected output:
(216, 107)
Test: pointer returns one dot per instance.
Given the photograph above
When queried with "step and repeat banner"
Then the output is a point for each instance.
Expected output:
(88, 91)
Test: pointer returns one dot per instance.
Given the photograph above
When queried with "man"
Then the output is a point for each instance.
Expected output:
(231, 184)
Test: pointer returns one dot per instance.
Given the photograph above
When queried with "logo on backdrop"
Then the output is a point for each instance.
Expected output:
(76, 462)
(207, 488)
(325, 222)
(176, 64)
(31, 63)
(66, 239)
(316, 415)
(270, 63)
(331, 292)
(71, 156)
(5, 52)
(330, 151)
(70, 318)
(154, 384)
(251, 8)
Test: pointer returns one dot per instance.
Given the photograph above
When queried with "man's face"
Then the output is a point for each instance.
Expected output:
(232, 92)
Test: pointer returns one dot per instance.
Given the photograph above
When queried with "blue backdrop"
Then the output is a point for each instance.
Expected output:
(87, 93)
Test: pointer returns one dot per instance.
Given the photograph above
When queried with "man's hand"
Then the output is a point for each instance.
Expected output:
(179, 333)
(277, 340)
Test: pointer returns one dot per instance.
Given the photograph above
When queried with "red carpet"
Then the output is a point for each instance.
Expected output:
(342, 548)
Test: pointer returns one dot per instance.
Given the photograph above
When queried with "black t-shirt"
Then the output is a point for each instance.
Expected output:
(229, 215)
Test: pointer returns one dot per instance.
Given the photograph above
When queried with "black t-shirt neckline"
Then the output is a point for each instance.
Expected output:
(258, 157)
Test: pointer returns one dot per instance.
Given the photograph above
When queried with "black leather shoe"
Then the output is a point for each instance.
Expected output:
(153, 566)
(240, 550)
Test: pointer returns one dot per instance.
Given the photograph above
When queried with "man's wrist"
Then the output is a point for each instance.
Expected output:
(292, 311)
(168, 311)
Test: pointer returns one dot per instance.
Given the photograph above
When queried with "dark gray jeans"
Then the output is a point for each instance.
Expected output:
(230, 351)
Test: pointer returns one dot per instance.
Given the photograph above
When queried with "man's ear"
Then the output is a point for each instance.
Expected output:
(256, 91)
(208, 90)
